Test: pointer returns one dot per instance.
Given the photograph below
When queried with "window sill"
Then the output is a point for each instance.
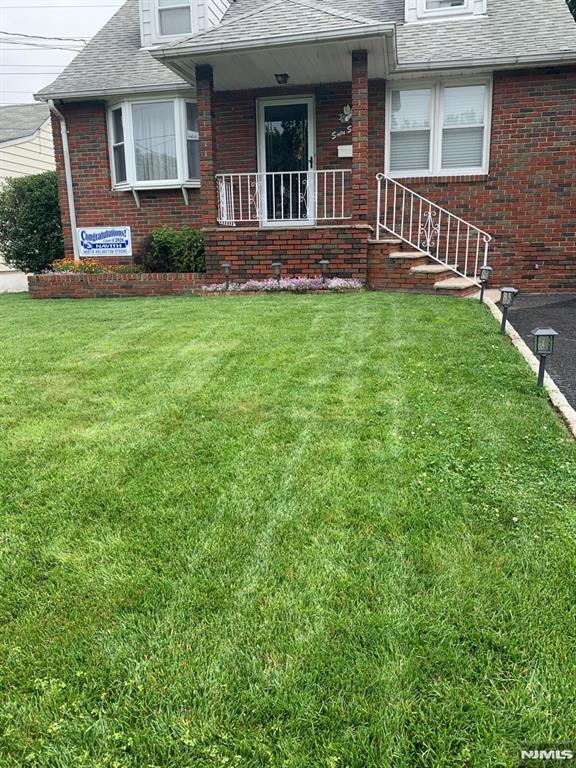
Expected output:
(159, 185)
(459, 178)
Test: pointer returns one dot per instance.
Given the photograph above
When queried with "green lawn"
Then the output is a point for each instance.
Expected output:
(282, 532)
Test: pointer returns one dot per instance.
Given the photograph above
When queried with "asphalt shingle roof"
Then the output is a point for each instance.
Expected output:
(19, 120)
(113, 61)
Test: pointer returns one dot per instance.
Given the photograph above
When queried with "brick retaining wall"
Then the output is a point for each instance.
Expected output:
(111, 285)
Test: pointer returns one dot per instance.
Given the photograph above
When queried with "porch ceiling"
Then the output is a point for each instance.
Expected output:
(306, 64)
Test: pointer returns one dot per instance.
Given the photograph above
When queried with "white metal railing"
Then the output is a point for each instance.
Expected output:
(436, 232)
(294, 197)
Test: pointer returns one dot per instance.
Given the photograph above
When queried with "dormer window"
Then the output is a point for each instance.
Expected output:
(174, 17)
(430, 10)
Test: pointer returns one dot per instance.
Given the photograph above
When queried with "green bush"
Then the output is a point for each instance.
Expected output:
(30, 225)
(173, 250)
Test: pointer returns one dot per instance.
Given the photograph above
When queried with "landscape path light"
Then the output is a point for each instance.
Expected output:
(485, 275)
(544, 347)
(507, 298)
(324, 264)
(277, 267)
(226, 266)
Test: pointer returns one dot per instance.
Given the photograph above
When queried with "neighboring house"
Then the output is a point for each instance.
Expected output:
(26, 148)
(265, 122)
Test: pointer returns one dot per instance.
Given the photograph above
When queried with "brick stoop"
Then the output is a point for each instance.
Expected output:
(393, 267)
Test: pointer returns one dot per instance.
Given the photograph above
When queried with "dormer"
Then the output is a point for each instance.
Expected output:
(164, 21)
(441, 10)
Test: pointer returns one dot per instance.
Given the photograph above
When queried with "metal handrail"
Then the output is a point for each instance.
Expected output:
(436, 232)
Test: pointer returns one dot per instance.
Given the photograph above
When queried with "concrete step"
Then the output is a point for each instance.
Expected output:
(430, 269)
(385, 241)
(407, 255)
(456, 286)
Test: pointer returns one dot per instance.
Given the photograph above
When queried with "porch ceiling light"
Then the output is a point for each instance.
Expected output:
(282, 78)
(507, 297)
(544, 347)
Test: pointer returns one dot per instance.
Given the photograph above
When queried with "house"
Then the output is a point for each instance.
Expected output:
(26, 148)
(407, 141)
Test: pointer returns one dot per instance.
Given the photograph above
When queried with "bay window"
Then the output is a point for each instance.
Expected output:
(438, 129)
(154, 143)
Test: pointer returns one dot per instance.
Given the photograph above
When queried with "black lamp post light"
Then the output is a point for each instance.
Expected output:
(324, 264)
(507, 298)
(544, 347)
(277, 267)
(226, 266)
(485, 275)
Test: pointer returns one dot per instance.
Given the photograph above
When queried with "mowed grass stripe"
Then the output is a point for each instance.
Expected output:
(279, 546)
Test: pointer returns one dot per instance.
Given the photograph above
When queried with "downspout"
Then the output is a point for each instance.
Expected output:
(68, 172)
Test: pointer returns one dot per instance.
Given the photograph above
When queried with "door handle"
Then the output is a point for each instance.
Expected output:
(311, 162)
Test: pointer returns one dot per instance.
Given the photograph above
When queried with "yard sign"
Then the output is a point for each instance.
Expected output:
(105, 241)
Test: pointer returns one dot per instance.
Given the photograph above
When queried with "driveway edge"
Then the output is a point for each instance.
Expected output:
(556, 397)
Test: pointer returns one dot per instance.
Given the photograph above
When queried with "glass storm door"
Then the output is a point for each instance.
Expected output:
(287, 158)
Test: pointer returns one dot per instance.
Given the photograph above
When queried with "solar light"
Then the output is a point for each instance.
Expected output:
(226, 266)
(507, 297)
(277, 267)
(324, 264)
(544, 347)
(485, 274)
(282, 78)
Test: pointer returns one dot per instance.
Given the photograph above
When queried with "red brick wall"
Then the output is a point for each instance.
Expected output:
(528, 201)
(96, 204)
(251, 252)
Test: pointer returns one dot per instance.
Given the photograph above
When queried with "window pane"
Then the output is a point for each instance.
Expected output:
(433, 5)
(175, 21)
(118, 126)
(464, 105)
(193, 159)
(191, 121)
(410, 151)
(411, 109)
(462, 148)
(155, 141)
(120, 164)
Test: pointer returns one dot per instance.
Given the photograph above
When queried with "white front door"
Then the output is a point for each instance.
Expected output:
(286, 160)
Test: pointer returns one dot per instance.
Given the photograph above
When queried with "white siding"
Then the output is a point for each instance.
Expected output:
(23, 158)
(215, 10)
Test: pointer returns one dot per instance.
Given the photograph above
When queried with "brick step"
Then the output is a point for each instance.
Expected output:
(408, 256)
(431, 269)
(456, 286)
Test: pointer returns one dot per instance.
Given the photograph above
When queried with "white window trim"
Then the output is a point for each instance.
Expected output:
(156, 21)
(416, 11)
(437, 125)
(130, 158)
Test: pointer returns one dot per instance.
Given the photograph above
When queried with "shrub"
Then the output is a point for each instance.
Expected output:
(127, 269)
(292, 284)
(30, 225)
(173, 250)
